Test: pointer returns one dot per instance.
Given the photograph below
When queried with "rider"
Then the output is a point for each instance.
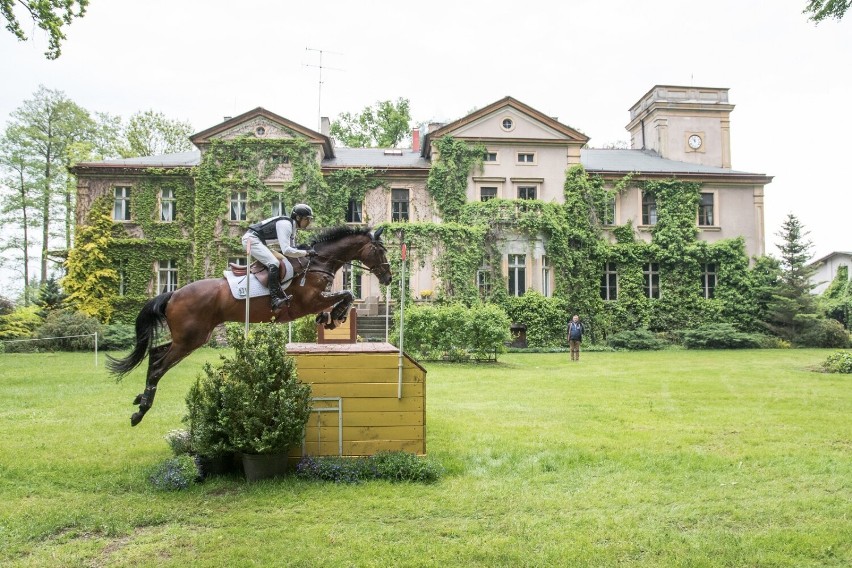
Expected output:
(283, 230)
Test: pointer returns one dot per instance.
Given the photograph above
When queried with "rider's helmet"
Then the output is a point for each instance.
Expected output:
(302, 210)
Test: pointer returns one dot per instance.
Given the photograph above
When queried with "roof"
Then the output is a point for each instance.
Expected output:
(594, 160)
(376, 158)
(646, 161)
(181, 159)
(830, 255)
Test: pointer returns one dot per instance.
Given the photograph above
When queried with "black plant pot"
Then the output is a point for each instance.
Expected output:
(224, 464)
(264, 466)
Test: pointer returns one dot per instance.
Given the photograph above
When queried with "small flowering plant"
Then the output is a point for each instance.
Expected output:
(179, 441)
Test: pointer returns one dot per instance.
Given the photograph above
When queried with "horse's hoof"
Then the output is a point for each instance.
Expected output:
(136, 418)
(138, 399)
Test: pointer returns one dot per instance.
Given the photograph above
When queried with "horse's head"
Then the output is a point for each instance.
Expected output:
(374, 256)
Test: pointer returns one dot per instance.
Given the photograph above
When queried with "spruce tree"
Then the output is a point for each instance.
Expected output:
(792, 300)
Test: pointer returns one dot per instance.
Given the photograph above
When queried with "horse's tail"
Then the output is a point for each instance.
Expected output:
(150, 318)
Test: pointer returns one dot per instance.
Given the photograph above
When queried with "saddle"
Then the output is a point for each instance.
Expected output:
(259, 270)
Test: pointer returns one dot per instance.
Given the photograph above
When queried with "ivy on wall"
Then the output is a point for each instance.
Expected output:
(471, 237)
(447, 182)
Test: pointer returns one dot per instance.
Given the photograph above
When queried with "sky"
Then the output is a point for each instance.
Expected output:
(584, 61)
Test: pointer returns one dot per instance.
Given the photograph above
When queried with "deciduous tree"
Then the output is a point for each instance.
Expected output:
(820, 10)
(49, 15)
(383, 125)
(151, 133)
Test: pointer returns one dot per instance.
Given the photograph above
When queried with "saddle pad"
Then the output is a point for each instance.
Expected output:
(238, 283)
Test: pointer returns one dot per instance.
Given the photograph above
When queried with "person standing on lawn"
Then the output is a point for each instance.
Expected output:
(575, 337)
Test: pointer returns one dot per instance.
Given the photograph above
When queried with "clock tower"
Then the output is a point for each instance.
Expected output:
(687, 124)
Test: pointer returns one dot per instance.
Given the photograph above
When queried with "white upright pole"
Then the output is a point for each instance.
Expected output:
(248, 284)
(96, 349)
(401, 318)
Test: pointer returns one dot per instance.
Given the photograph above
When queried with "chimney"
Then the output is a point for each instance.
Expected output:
(325, 126)
(227, 118)
(415, 140)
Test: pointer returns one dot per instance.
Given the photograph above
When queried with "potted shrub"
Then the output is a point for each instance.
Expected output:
(264, 407)
(207, 439)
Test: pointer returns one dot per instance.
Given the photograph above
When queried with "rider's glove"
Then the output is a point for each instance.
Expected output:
(312, 253)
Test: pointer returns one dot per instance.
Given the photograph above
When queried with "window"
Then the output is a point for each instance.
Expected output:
(526, 192)
(399, 205)
(486, 193)
(526, 158)
(708, 280)
(609, 282)
(517, 274)
(705, 210)
(121, 206)
(352, 280)
(354, 212)
(649, 209)
(167, 276)
(608, 214)
(238, 206)
(240, 260)
(483, 281)
(278, 207)
(545, 276)
(651, 276)
(490, 156)
(508, 124)
(167, 205)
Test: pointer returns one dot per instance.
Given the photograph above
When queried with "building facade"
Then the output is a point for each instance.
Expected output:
(182, 214)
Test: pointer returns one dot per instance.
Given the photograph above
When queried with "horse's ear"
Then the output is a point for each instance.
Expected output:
(378, 234)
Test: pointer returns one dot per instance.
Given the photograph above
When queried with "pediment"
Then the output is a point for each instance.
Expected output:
(487, 124)
(263, 125)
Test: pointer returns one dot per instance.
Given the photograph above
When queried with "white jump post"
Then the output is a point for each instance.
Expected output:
(401, 317)
(248, 283)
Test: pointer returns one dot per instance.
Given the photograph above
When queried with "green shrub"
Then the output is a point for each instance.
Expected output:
(264, 407)
(390, 466)
(174, 474)
(117, 337)
(305, 330)
(820, 332)
(454, 332)
(20, 324)
(7, 306)
(636, 340)
(207, 436)
(545, 318)
(403, 466)
(62, 323)
(719, 336)
(840, 362)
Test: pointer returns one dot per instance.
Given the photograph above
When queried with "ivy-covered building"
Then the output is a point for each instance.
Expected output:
(503, 201)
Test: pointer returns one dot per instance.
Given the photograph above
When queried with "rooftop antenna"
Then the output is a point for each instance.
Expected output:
(319, 89)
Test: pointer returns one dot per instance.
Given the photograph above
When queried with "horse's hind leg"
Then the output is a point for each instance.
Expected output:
(160, 360)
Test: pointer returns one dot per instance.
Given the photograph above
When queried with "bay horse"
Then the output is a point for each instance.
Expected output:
(191, 312)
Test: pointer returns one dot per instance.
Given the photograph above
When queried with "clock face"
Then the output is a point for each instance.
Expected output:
(694, 141)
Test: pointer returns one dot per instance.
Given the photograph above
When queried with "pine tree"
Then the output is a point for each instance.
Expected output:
(792, 301)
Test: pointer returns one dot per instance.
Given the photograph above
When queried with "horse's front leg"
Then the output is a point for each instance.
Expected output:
(339, 302)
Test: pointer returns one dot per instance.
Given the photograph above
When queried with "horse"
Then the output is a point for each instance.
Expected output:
(193, 311)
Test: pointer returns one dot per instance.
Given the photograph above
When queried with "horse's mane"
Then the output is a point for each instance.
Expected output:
(337, 233)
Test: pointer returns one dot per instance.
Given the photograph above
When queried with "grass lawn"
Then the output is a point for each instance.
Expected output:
(675, 458)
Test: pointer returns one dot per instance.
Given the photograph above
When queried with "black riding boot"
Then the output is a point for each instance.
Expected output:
(277, 298)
